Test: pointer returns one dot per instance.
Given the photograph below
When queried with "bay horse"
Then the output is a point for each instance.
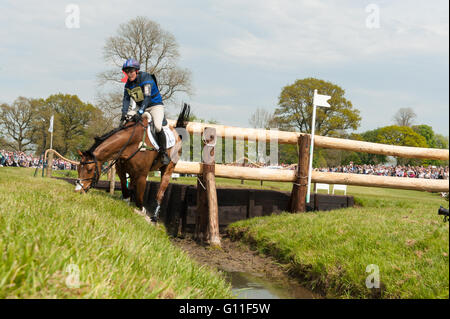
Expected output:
(130, 148)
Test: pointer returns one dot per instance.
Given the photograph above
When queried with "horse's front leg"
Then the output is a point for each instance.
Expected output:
(166, 174)
(141, 183)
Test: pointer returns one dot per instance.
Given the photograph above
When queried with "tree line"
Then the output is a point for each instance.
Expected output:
(25, 124)
(294, 113)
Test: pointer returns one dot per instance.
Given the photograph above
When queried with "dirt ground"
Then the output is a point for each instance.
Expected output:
(232, 257)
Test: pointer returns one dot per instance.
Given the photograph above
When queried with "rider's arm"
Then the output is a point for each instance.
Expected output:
(125, 102)
(147, 85)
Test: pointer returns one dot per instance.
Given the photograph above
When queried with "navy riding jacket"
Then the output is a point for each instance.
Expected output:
(143, 90)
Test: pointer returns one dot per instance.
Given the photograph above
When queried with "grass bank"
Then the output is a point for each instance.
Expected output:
(52, 238)
(396, 230)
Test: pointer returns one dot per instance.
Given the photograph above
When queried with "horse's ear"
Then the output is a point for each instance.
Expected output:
(79, 153)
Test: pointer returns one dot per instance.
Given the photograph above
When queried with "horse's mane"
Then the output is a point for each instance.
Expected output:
(181, 123)
(100, 139)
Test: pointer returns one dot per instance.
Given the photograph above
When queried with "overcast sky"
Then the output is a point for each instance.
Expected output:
(242, 53)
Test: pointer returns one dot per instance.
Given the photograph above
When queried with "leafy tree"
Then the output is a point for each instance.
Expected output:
(296, 104)
(76, 122)
(400, 135)
(427, 132)
(16, 122)
(441, 141)
(396, 135)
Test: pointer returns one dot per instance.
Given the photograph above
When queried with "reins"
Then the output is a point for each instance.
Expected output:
(98, 174)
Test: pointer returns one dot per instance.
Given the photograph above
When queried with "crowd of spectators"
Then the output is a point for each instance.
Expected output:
(262, 165)
(21, 159)
(428, 172)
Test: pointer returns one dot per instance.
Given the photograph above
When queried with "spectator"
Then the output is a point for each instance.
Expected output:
(430, 172)
(20, 159)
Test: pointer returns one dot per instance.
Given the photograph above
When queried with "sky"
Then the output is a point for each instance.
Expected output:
(385, 54)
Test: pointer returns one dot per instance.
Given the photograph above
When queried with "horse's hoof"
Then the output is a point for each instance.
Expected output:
(148, 220)
(142, 212)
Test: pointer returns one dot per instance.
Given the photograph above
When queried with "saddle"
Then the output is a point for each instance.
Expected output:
(151, 132)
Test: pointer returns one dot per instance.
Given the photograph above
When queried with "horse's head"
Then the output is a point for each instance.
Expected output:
(88, 172)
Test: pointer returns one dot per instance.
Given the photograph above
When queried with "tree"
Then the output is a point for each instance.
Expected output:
(400, 135)
(427, 132)
(3, 143)
(405, 116)
(441, 141)
(157, 52)
(261, 119)
(40, 125)
(16, 122)
(75, 123)
(397, 135)
(296, 105)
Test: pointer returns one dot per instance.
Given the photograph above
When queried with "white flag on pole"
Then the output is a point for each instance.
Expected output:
(50, 129)
(321, 100)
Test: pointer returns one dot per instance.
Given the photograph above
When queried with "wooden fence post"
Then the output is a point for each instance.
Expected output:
(112, 179)
(50, 164)
(299, 189)
(208, 164)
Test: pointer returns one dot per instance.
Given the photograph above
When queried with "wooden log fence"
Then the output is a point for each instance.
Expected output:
(51, 152)
(283, 137)
(207, 223)
(279, 175)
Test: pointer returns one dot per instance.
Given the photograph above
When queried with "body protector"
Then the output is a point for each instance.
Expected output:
(144, 91)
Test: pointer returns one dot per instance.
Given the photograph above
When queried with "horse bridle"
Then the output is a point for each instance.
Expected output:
(94, 179)
(97, 174)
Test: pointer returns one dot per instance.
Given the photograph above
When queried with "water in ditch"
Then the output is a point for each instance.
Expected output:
(250, 286)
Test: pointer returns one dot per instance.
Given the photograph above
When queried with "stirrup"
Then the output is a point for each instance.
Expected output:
(165, 159)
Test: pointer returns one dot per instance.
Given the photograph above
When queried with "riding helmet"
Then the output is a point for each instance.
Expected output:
(131, 63)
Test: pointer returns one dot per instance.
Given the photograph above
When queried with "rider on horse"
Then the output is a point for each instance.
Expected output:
(141, 89)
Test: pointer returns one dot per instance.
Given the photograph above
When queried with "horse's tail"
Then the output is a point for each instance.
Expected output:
(184, 116)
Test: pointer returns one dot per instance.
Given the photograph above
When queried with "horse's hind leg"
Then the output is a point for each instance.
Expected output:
(166, 173)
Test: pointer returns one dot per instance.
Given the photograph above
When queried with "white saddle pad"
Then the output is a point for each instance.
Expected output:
(170, 138)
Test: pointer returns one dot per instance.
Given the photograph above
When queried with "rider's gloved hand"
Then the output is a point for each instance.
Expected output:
(137, 117)
(122, 120)
(141, 111)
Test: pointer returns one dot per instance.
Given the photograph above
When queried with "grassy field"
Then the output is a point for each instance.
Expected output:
(399, 231)
(55, 243)
(396, 230)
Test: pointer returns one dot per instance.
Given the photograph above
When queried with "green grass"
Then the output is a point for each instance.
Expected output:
(397, 230)
(46, 228)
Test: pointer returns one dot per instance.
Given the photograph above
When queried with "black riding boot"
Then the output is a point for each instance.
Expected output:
(162, 147)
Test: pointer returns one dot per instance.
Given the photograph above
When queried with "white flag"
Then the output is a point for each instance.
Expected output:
(50, 129)
(321, 100)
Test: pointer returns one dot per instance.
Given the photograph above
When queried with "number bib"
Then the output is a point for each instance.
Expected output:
(136, 94)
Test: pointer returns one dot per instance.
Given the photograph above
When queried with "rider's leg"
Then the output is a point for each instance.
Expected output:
(157, 113)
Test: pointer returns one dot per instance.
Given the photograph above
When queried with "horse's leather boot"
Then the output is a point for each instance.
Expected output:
(162, 147)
